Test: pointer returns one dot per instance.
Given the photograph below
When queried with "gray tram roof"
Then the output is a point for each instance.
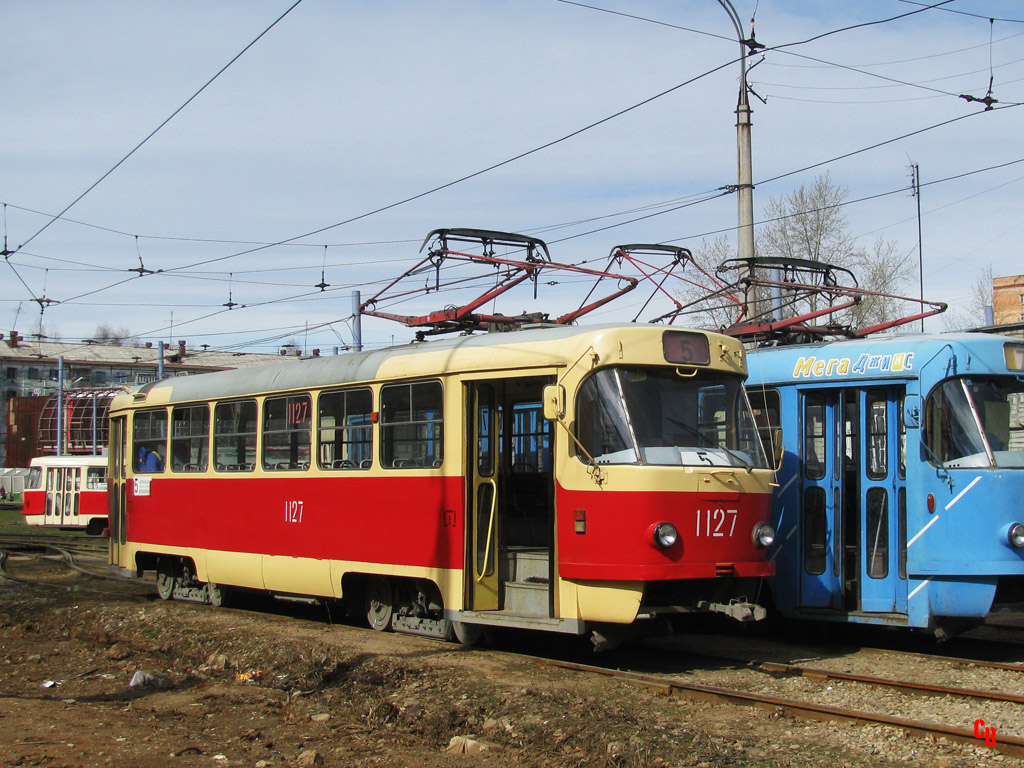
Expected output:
(528, 346)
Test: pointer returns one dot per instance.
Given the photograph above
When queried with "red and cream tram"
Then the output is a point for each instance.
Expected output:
(560, 478)
(67, 492)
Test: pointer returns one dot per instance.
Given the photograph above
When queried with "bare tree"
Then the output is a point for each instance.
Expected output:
(108, 334)
(974, 313)
(808, 224)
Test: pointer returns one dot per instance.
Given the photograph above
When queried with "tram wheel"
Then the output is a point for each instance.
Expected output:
(379, 603)
(166, 579)
(467, 634)
(218, 594)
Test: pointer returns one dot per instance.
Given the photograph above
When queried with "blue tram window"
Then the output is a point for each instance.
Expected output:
(877, 435)
(877, 533)
(814, 436)
(815, 530)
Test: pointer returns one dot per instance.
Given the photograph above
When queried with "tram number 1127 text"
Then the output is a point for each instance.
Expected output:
(716, 523)
(293, 511)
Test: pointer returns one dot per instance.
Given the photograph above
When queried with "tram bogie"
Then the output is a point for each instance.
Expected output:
(426, 488)
(901, 478)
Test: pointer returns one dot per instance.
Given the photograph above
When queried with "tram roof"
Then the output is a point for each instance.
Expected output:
(901, 355)
(539, 347)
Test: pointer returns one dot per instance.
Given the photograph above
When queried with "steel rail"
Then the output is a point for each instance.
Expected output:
(816, 673)
(1008, 745)
(1010, 666)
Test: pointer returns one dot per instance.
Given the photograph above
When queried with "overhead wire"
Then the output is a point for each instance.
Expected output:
(575, 133)
(138, 146)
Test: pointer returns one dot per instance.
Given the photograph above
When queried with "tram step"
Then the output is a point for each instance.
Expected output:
(526, 598)
(520, 564)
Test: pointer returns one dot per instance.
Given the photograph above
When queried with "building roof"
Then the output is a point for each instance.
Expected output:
(17, 348)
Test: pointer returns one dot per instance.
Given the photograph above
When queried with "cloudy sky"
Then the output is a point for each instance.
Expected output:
(343, 110)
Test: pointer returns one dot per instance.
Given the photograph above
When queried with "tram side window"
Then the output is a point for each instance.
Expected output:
(345, 432)
(190, 438)
(149, 440)
(531, 439)
(814, 436)
(815, 530)
(877, 419)
(234, 436)
(96, 479)
(766, 407)
(287, 425)
(35, 479)
(878, 532)
(412, 425)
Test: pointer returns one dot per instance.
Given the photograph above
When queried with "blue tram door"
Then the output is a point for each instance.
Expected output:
(883, 578)
(853, 500)
(820, 502)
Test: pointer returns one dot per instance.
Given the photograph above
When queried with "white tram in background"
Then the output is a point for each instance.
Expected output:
(67, 492)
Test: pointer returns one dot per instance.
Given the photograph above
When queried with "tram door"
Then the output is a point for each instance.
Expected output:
(821, 500)
(853, 500)
(116, 481)
(883, 505)
(483, 507)
(510, 498)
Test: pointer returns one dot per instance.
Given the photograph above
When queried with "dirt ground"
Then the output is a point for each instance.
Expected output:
(252, 688)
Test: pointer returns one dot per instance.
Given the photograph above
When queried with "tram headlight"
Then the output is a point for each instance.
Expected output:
(1016, 536)
(764, 535)
(665, 535)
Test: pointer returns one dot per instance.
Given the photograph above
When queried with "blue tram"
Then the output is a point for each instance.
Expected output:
(901, 488)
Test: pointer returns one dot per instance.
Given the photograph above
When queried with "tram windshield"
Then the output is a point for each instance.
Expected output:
(976, 422)
(656, 416)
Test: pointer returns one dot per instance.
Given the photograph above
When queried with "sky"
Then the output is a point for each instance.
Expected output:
(344, 117)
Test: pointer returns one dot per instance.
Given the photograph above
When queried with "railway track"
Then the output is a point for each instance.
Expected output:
(736, 692)
(1010, 745)
(59, 561)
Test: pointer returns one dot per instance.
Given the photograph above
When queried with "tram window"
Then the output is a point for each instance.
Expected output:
(149, 440)
(96, 479)
(814, 436)
(876, 428)
(411, 425)
(78, 479)
(345, 431)
(901, 534)
(815, 531)
(531, 439)
(902, 432)
(234, 436)
(35, 479)
(190, 438)
(877, 538)
(766, 406)
(287, 422)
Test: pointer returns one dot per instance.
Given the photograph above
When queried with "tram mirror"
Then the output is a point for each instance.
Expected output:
(912, 411)
(777, 449)
(554, 402)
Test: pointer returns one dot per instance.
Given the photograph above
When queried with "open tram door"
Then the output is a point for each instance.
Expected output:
(510, 501)
(853, 500)
(483, 520)
(117, 478)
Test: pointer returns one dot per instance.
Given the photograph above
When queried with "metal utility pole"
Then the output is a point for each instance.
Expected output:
(357, 323)
(745, 174)
(915, 190)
